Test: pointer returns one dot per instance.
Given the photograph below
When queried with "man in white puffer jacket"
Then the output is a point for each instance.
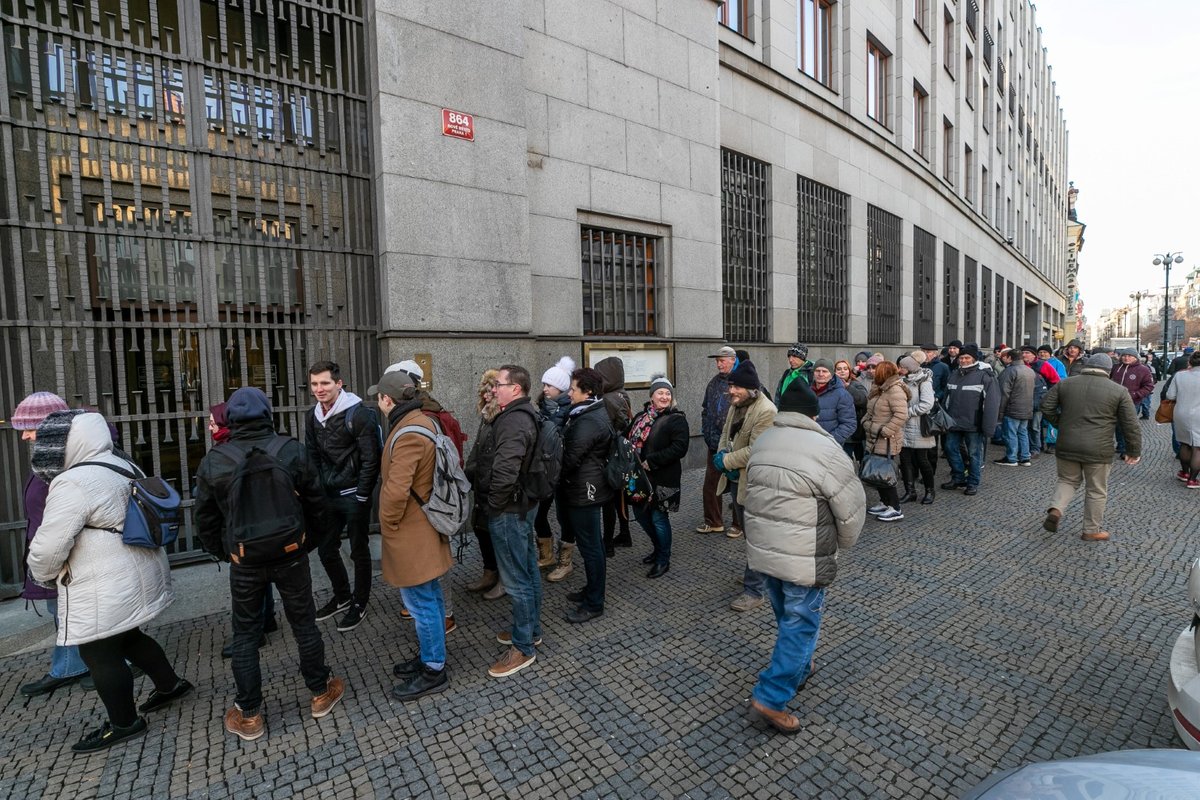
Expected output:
(803, 503)
(106, 588)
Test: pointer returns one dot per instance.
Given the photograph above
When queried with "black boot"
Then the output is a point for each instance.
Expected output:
(928, 498)
(909, 494)
(427, 681)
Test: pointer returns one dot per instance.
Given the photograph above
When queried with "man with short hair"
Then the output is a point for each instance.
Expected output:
(342, 437)
(1137, 380)
(798, 367)
(251, 426)
(712, 421)
(1086, 408)
(510, 517)
(1046, 353)
(1016, 408)
(973, 404)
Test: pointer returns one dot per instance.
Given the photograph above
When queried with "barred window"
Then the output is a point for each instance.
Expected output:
(924, 286)
(950, 293)
(985, 311)
(620, 283)
(970, 299)
(821, 259)
(1016, 310)
(999, 333)
(745, 246)
(883, 277)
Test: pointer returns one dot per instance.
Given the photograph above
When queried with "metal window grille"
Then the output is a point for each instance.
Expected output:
(924, 286)
(745, 246)
(1017, 309)
(822, 262)
(620, 283)
(883, 276)
(1000, 293)
(153, 268)
(951, 273)
(970, 299)
(972, 13)
(985, 312)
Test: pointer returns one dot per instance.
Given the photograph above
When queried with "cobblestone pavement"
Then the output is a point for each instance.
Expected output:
(961, 641)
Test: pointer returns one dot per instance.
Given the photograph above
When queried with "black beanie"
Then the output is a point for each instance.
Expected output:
(745, 376)
(799, 398)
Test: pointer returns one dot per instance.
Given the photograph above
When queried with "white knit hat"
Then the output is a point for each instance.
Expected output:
(559, 376)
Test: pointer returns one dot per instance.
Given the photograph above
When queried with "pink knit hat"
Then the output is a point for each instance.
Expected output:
(35, 408)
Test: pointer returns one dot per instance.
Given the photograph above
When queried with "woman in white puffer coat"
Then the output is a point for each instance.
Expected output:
(106, 588)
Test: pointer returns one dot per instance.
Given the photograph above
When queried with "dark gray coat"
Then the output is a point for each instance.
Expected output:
(1016, 391)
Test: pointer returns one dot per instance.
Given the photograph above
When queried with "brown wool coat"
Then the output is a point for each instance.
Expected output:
(413, 552)
(887, 411)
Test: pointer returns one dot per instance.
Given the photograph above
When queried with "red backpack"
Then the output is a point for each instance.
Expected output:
(450, 427)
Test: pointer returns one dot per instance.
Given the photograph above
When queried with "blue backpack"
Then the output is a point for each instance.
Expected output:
(154, 513)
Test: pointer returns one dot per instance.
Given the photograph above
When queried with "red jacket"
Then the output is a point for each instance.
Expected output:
(1136, 378)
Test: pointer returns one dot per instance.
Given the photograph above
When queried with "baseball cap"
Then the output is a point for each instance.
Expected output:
(725, 352)
(391, 384)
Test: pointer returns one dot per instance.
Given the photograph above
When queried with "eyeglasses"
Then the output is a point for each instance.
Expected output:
(498, 385)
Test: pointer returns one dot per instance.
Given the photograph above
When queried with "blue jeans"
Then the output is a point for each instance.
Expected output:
(657, 525)
(65, 661)
(798, 613)
(1016, 439)
(586, 523)
(976, 446)
(428, 611)
(516, 558)
(1143, 408)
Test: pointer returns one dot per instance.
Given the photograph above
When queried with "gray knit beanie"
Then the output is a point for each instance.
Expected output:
(50, 449)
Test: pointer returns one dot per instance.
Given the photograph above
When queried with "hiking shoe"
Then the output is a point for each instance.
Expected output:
(733, 533)
(246, 728)
(877, 509)
(505, 637)
(159, 699)
(323, 703)
(891, 515)
(451, 625)
(353, 618)
(47, 684)
(332, 607)
(1098, 536)
(512, 661)
(706, 528)
(108, 735)
(747, 602)
(427, 681)
(779, 720)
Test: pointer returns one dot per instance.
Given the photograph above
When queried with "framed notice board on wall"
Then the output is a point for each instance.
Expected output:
(642, 359)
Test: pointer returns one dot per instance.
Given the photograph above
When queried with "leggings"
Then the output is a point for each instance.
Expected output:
(106, 659)
(918, 461)
(1189, 459)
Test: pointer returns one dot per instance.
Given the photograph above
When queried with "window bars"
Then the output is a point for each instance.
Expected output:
(924, 286)
(970, 300)
(620, 283)
(883, 277)
(822, 262)
(745, 246)
(950, 293)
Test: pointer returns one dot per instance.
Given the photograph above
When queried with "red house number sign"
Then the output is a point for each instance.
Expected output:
(458, 125)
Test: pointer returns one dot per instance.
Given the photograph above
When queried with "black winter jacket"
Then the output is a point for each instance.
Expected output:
(616, 399)
(497, 465)
(663, 452)
(587, 438)
(216, 472)
(972, 399)
(345, 460)
(556, 410)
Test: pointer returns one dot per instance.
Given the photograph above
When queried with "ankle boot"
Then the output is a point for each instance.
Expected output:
(496, 592)
(909, 495)
(545, 553)
(928, 498)
(564, 567)
(485, 582)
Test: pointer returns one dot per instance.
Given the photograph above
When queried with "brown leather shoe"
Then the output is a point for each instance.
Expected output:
(323, 703)
(451, 625)
(512, 661)
(1053, 517)
(247, 728)
(779, 720)
(1098, 536)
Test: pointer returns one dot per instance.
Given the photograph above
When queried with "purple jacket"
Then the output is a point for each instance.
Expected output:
(36, 490)
(1136, 378)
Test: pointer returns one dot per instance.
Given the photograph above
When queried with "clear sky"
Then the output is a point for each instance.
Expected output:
(1129, 79)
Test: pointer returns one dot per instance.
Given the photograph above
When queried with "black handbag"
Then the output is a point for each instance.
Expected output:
(878, 472)
(936, 422)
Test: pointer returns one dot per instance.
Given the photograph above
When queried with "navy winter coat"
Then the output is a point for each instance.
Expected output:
(837, 415)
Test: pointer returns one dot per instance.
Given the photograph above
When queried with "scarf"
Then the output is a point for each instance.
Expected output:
(640, 431)
(50, 449)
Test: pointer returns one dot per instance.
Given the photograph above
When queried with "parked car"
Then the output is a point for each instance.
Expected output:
(1183, 687)
(1163, 774)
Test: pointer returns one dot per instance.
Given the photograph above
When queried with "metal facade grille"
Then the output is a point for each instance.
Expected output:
(187, 209)
(924, 286)
(985, 312)
(620, 283)
(1017, 309)
(823, 246)
(883, 277)
(970, 300)
(950, 268)
(1000, 293)
(745, 246)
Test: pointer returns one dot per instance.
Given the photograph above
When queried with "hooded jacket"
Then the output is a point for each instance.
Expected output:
(837, 415)
(1016, 391)
(887, 411)
(920, 402)
(972, 399)
(1086, 408)
(105, 586)
(803, 502)
(616, 399)
(555, 410)
(587, 437)
(345, 451)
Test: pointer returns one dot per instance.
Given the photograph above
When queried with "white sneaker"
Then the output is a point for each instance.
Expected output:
(877, 509)
(890, 515)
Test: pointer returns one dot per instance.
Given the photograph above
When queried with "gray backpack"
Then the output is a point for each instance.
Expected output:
(449, 504)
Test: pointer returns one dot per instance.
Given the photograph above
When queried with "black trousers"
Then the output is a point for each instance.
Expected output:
(541, 522)
(612, 515)
(916, 461)
(106, 660)
(346, 513)
(248, 587)
(483, 533)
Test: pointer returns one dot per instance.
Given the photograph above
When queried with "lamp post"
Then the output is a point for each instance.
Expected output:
(1165, 261)
(1137, 297)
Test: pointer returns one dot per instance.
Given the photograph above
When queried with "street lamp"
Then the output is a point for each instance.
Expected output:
(1137, 296)
(1165, 261)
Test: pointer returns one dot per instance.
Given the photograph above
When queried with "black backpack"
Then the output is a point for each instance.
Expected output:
(623, 469)
(540, 473)
(264, 521)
